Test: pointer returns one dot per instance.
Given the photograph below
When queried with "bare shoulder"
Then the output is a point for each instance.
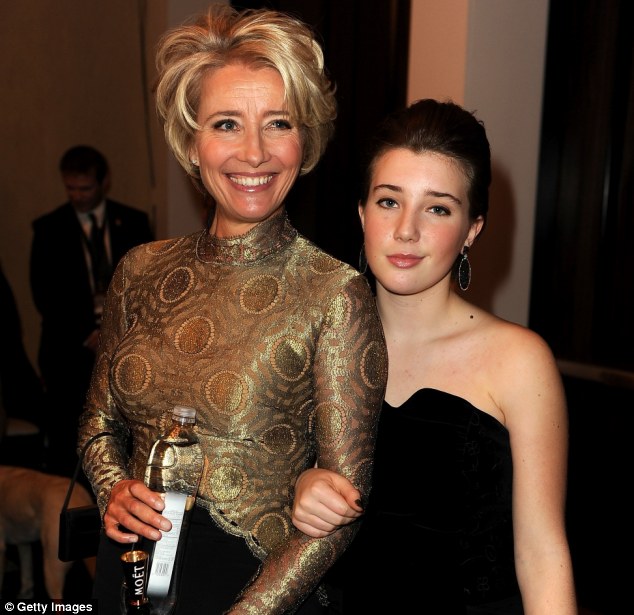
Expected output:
(497, 345)
(519, 342)
(521, 368)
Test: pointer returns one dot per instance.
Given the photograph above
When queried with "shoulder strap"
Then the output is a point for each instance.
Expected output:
(79, 463)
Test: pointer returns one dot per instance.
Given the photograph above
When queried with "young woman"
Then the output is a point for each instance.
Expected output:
(466, 513)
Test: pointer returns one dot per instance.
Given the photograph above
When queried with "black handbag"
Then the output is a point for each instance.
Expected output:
(79, 527)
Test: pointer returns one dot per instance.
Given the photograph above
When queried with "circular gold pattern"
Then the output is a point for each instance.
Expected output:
(164, 246)
(270, 530)
(290, 358)
(340, 312)
(226, 392)
(227, 483)
(332, 422)
(133, 374)
(176, 284)
(315, 555)
(260, 294)
(322, 263)
(373, 365)
(279, 440)
(195, 335)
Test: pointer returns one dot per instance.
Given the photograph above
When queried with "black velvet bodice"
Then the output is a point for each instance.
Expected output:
(437, 535)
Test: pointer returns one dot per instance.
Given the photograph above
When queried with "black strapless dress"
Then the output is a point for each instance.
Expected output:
(437, 536)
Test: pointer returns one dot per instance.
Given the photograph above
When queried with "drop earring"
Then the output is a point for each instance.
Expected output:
(363, 261)
(464, 270)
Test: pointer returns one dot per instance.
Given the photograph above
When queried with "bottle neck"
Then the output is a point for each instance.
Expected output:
(181, 422)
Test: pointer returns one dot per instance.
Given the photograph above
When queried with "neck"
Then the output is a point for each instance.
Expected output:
(410, 315)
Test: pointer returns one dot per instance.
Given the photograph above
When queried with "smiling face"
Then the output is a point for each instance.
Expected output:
(248, 148)
(416, 220)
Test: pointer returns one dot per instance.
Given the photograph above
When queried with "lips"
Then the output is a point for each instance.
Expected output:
(404, 261)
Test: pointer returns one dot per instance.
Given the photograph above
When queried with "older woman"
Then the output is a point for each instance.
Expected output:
(275, 343)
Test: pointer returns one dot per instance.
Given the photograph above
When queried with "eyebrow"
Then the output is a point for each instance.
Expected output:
(438, 195)
(230, 112)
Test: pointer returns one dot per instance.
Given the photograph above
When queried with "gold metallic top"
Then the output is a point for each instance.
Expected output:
(279, 348)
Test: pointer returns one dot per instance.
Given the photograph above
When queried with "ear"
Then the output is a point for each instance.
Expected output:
(361, 210)
(474, 230)
(192, 154)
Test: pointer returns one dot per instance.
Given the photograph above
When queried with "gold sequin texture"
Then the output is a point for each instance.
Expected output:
(290, 358)
(340, 312)
(227, 483)
(322, 263)
(132, 374)
(163, 246)
(226, 392)
(177, 284)
(279, 440)
(270, 530)
(311, 552)
(195, 335)
(333, 424)
(278, 346)
(259, 294)
(373, 365)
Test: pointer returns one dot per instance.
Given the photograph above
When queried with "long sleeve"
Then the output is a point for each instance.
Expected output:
(106, 461)
(350, 373)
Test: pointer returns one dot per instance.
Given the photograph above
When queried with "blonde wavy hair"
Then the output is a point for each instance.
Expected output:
(257, 38)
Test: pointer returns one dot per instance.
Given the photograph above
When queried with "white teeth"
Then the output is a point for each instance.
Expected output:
(251, 181)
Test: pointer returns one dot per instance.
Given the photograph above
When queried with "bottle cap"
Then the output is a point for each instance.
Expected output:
(183, 412)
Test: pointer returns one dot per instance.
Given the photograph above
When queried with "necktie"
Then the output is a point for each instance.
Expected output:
(100, 265)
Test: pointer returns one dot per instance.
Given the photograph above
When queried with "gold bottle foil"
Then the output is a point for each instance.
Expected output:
(135, 572)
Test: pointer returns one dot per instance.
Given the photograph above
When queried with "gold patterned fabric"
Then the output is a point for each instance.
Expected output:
(279, 348)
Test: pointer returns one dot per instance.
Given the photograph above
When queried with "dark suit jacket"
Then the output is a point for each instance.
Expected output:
(61, 287)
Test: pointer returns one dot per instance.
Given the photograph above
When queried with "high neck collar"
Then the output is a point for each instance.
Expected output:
(263, 239)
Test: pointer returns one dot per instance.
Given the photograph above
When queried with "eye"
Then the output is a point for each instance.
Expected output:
(439, 210)
(226, 125)
(387, 202)
(281, 124)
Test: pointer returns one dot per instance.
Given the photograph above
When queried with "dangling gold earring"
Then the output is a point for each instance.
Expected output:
(464, 270)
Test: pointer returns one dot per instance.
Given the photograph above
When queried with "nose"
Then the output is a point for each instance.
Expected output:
(254, 150)
(407, 227)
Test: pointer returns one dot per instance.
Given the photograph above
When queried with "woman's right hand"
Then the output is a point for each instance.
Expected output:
(324, 501)
(137, 509)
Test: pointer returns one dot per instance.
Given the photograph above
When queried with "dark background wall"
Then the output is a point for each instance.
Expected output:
(582, 292)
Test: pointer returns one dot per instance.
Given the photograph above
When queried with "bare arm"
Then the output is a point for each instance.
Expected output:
(533, 401)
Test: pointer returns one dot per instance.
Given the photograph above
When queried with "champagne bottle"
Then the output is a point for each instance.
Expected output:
(135, 566)
(174, 469)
